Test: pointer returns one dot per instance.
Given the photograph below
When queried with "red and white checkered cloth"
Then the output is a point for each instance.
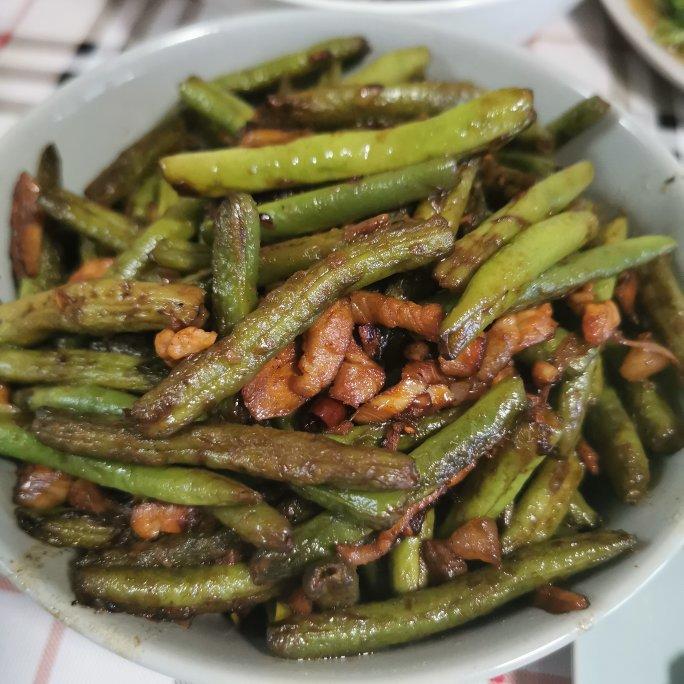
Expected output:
(45, 42)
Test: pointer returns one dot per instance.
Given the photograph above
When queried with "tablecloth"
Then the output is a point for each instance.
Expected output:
(44, 43)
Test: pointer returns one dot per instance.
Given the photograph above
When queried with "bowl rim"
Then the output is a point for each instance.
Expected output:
(395, 6)
(540, 642)
(658, 56)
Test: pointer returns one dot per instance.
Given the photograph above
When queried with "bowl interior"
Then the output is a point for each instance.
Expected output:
(92, 118)
(512, 21)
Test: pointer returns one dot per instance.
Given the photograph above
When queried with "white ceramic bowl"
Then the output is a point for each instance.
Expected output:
(93, 117)
(513, 21)
(668, 64)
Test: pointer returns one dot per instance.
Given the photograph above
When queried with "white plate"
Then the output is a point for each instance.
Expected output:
(637, 33)
(641, 641)
(91, 118)
(513, 21)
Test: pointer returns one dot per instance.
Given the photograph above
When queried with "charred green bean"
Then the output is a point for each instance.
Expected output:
(235, 261)
(169, 593)
(99, 307)
(287, 456)
(107, 369)
(188, 486)
(346, 106)
(622, 457)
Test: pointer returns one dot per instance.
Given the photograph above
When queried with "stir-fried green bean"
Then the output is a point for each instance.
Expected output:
(75, 398)
(295, 457)
(466, 128)
(99, 307)
(189, 486)
(540, 202)
(235, 261)
(346, 106)
(493, 289)
(372, 626)
(329, 206)
(107, 369)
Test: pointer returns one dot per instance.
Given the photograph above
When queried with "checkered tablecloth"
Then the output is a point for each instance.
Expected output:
(44, 43)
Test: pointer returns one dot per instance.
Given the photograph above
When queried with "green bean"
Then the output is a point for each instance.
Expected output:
(347, 106)
(393, 67)
(615, 231)
(577, 119)
(170, 551)
(200, 383)
(453, 205)
(188, 486)
(75, 398)
(295, 65)
(331, 585)
(540, 202)
(622, 457)
(106, 227)
(177, 222)
(659, 427)
(592, 264)
(537, 164)
(99, 307)
(280, 260)
(235, 261)
(544, 503)
(496, 481)
(438, 459)
(372, 626)
(276, 262)
(536, 138)
(408, 570)
(167, 197)
(181, 255)
(662, 299)
(313, 541)
(68, 528)
(259, 524)
(372, 434)
(565, 350)
(575, 397)
(315, 210)
(142, 204)
(124, 174)
(581, 516)
(493, 289)
(49, 173)
(328, 157)
(216, 104)
(294, 457)
(169, 593)
(108, 369)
